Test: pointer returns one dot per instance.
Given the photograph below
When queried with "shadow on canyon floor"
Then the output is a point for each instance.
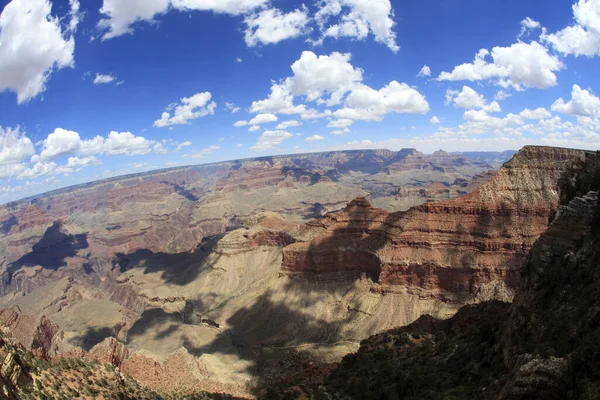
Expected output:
(50, 252)
(92, 337)
(179, 269)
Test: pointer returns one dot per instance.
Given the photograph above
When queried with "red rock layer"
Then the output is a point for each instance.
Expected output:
(450, 247)
(38, 334)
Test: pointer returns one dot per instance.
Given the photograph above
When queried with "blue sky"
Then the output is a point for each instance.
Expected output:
(83, 87)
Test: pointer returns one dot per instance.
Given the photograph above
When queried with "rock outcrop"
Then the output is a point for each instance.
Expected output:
(35, 333)
(449, 248)
(12, 372)
(544, 345)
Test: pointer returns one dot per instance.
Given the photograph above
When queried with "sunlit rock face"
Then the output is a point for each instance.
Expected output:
(456, 248)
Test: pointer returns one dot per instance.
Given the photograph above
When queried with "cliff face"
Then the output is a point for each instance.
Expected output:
(544, 345)
(453, 248)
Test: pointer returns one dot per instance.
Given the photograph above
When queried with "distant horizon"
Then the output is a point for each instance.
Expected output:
(160, 170)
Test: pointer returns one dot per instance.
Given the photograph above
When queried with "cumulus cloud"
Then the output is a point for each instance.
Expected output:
(33, 45)
(478, 122)
(501, 95)
(120, 16)
(424, 72)
(232, 107)
(263, 119)
(328, 80)
(314, 138)
(60, 142)
(340, 123)
(39, 169)
(434, 120)
(254, 128)
(583, 37)
(63, 142)
(280, 101)
(272, 26)
(103, 79)
(239, 124)
(190, 108)
(288, 124)
(340, 131)
(271, 139)
(15, 146)
(469, 99)
(582, 103)
(520, 66)
(315, 78)
(357, 19)
(365, 103)
(75, 164)
(10, 170)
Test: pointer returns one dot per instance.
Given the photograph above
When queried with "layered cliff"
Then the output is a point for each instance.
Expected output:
(542, 346)
(453, 249)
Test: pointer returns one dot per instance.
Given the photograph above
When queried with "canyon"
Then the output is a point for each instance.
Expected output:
(211, 277)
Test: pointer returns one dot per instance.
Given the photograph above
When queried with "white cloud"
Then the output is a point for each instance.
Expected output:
(14, 146)
(340, 123)
(501, 95)
(74, 164)
(478, 122)
(519, 66)
(10, 170)
(63, 142)
(328, 80)
(38, 170)
(263, 119)
(582, 103)
(340, 131)
(120, 16)
(582, 38)
(314, 78)
(232, 107)
(357, 19)
(126, 143)
(60, 142)
(280, 101)
(102, 79)
(365, 103)
(271, 139)
(33, 45)
(239, 59)
(434, 120)
(203, 153)
(254, 128)
(272, 26)
(314, 138)
(469, 99)
(288, 124)
(180, 146)
(313, 114)
(527, 26)
(191, 108)
(239, 124)
(425, 71)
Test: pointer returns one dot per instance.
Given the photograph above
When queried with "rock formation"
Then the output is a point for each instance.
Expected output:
(543, 345)
(451, 248)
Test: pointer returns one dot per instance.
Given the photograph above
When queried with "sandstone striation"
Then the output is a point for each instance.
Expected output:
(449, 248)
